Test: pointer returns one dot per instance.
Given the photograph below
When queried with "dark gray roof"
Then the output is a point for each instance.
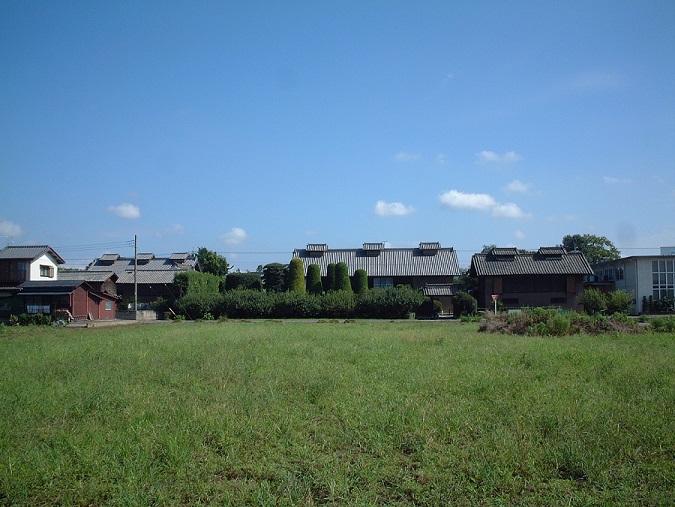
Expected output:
(155, 270)
(51, 287)
(388, 262)
(439, 289)
(29, 253)
(546, 261)
(110, 257)
(147, 276)
(88, 276)
(180, 257)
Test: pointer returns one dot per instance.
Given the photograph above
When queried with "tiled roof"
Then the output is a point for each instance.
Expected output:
(155, 270)
(29, 253)
(390, 261)
(439, 289)
(546, 261)
(88, 276)
(110, 257)
(147, 276)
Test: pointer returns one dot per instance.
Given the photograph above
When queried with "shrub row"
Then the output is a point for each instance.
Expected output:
(552, 322)
(391, 303)
(30, 319)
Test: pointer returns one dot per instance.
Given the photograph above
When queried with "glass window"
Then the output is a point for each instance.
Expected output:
(383, 283)
(108, 305)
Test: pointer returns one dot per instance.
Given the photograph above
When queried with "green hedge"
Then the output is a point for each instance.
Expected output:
(252, 304)
(191, 283)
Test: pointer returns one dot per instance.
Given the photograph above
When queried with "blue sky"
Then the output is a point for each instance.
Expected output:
(253, 128)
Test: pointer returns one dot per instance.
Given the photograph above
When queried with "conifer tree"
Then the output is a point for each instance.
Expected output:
(296, 276)
(314, 279)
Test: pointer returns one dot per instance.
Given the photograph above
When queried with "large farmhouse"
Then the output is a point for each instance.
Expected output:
(428, 267)
(551, 276)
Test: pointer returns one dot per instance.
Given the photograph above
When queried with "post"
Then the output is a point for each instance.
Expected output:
(495, 297)
(135, 277)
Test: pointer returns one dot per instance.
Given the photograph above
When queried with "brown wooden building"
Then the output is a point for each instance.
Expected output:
(65, 298)
(551, 276)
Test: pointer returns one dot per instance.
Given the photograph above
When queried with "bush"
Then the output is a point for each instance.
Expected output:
(314, 279)
(662, 324)
(246, 304)
(619, 301)
(275, 277)
(196, 306)
(392, 303)
(237, 280)
(296, 305)
(342, 277)
(330, 278)
(190, 283)
(30, 319)
(338, 304)
(360, 282)
(430, 308)
(296, 276)
(594, 301)
(464, 303)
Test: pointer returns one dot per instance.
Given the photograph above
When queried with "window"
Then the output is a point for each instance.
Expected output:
(383, 283)
(108, 305)
(663, 279)
(618, 273)
(18, 271)
(47, 271)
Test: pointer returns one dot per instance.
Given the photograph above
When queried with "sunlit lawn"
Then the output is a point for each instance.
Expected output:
(359, 413)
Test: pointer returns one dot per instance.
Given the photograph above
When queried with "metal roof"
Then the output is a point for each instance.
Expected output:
(146, 276)
(555, 261)
(439, 289)
(29, 253)
(51, 287)
(390, 261)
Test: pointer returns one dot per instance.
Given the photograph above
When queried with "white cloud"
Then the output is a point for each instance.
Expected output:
(609, 180)
(474, 202)
(441, 159)
(490, 157)
(391, 209)
(404, 156)
(518, 186)
(10, 229)
(236, 236)
(176, 229)
(481, 202)
(520, 235)
(125, 210)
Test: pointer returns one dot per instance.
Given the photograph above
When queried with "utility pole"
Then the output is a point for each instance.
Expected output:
(135, 277)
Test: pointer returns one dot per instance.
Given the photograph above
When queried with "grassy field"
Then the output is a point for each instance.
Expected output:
(362, 413)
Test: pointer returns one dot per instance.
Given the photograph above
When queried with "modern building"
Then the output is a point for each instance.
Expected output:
(429, 267)
(650, 278)
(551, 276)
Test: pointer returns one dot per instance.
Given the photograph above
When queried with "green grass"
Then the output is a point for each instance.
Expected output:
(363, 413)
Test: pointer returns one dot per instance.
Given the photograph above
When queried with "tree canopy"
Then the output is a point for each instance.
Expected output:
(275, 277)
(595, 248)
(212, 262)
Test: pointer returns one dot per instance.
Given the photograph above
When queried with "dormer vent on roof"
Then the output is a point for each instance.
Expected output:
(504, 254)
(430, 248)
(144, 258)
(178, 258)
(109, 259)
(552, 252)
(373, 249)
(316, 249)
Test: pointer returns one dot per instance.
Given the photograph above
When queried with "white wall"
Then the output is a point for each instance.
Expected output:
(45, 260)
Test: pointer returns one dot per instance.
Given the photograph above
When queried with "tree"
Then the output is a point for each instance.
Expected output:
(330, 278)
(595, 248)
(342, 277)
(274, 277)
(212, 262)
(594, 301)
(314, 279)
(360, 281)
(296, 276)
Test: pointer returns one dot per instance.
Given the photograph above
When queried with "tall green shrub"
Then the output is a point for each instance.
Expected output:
(238, 280)
(296, 276)
(191, 283)
(464, 303)
(330, 278)
(619, 301)
(594, 301)
(275, 277)
(342, 281)
(360, 281)
(314, 279)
